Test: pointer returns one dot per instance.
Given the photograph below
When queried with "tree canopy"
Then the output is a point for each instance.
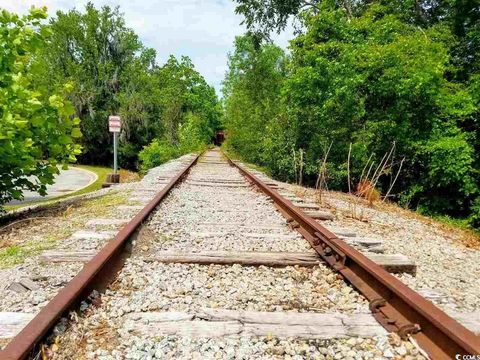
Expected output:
(61, 77)
(365, 77)
(112, 72)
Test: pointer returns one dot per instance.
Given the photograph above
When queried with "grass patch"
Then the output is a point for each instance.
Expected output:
(14, 255)
(30, 236)
(100, 171)
(469, 236)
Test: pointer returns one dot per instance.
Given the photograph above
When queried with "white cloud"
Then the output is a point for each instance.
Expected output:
(204, 30)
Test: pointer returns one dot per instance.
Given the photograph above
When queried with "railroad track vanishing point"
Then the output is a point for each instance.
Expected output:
(226, 267)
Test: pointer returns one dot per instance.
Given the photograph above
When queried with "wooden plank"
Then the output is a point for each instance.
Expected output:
(250, 258)
(214, 180)
(221, 322)
(97, 235)
(224, 185)
(28, 284)
(342, 232)
(11, 323)
(265, 236)
(306, 205)
(367, 244)
(250, 226)
(320, 215)
(470, 320)
(140, 199)
(134, 208)
(106, 222)
(433, 294)
(395, 263)
(67, 256)
(17, 287)
(272, 236)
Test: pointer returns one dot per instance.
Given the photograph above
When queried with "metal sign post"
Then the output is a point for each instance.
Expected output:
(115, 152)
(114, 126)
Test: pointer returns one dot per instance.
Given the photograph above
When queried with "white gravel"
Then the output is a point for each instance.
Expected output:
(186, 220)
(445, 266)
(51, 277)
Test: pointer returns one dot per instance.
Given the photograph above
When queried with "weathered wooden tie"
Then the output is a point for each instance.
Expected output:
(320, 215)
(221, 322)
(11, 323)
(106, 222)
(217, 184)
(395, 263)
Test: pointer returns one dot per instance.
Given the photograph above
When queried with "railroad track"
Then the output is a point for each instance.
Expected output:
(224, 266)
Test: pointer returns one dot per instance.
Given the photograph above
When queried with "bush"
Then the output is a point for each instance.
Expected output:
(157, 153)
(37, 130)
(194, 134)
(474, 218)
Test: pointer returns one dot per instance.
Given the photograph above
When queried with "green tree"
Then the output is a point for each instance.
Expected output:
(100, 56)
(371, 73)
(252, 94)
(189, 112)
(36, 128)
(113, 73)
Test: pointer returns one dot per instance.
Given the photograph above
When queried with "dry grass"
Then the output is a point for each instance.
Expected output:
(74, 345)
(366, 190)
(463, 237)
(128, 176)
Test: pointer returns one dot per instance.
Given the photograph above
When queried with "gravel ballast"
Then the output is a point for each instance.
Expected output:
(48, 278)
(208, 212)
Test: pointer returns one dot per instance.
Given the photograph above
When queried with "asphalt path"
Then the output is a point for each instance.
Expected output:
(67, 181)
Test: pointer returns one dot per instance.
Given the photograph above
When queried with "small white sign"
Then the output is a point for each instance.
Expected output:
(114, 123)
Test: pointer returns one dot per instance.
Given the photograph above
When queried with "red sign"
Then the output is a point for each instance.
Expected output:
(114, 123)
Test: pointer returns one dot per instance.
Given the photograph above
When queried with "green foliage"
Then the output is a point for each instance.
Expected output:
(189, 109)
(374, 80)
(368, 74)
(37, 129)
(474, 218)
(251, 90)
(113, 73)
(157, 153)
(97, 53)
(193, 136)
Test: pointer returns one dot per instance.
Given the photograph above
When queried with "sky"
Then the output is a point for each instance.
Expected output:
(204, 30)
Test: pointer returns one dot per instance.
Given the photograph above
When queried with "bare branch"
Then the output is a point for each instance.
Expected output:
(363, 171)
(395, 180)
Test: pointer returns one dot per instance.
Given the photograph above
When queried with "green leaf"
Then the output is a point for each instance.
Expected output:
(76, 133)
(64, 139)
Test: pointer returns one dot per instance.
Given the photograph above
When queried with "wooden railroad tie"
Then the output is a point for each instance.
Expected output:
(222, 322)
(395, 263)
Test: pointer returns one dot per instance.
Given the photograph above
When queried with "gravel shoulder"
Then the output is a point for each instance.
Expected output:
(447, 264)
(27, 281)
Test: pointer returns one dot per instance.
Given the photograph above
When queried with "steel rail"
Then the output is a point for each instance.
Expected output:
(96, 273)
(395, 306)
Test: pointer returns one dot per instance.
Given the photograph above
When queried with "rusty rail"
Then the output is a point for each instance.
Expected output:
(95, 274)
(395, 306)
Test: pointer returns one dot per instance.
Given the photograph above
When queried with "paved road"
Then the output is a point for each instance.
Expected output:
(67, 181)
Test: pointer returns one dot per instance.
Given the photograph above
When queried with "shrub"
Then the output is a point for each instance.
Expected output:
(37, 131)
(474, 218)
(157, 153)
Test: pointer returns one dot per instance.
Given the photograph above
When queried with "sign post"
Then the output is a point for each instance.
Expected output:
(114, 126)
